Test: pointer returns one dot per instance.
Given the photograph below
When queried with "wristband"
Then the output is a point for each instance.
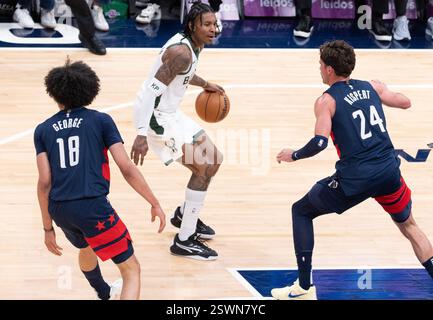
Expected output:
(313, 147)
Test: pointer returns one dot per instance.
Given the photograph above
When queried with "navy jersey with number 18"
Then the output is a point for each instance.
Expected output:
(76, 143)
(360, 136)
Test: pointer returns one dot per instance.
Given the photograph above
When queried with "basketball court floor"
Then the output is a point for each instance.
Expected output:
(358, 255)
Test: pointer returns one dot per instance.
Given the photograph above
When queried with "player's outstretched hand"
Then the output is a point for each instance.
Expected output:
(157, 212)
(212, 87)
(139, 149)
(285, 155)
(51, 244)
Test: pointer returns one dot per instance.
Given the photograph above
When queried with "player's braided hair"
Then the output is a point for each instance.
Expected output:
(197, 10)
(73, 85)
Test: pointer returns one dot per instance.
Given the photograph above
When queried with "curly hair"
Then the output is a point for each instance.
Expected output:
(73, 85)
(340, 56)
(197, 10)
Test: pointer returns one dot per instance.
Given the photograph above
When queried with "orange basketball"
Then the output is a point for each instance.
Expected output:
(212, 106)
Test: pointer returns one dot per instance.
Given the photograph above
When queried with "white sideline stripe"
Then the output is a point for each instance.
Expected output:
(16, 136)
(234, 272)
(153, 49)
(20, 135)
(25, 133)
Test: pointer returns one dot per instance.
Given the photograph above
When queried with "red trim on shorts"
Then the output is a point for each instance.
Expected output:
(397, 201)
(106, 166)
(107, 236)
(114, 249)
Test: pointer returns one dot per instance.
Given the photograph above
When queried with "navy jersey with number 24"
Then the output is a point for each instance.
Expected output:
(360, 136)
(76, 143)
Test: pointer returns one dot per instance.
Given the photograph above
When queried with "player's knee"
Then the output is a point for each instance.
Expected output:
(402, 218)
(303, 207)
(131, 267)
(407, 227)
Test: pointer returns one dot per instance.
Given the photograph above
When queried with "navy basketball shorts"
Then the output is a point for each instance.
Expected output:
(327, 196)
(93, 222)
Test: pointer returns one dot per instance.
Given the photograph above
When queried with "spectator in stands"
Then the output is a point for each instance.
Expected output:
(304, 28)
(149, 11)
(98, 14)
(82, 13)
(400, 30)
(422, 8)
(216, 6)
(24, 19)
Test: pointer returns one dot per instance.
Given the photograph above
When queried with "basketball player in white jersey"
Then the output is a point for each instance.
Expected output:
(175, 137)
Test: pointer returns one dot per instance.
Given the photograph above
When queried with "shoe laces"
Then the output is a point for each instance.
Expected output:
(149, 10)
(23, 11)
(200, 241)
(48, 13)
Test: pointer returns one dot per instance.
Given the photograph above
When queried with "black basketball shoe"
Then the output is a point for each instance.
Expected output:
(192, 248)
(304, 27)
(203, 231)
(379, 30)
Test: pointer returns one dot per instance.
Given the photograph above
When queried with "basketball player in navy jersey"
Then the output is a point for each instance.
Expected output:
(74, 180)
(350, 111)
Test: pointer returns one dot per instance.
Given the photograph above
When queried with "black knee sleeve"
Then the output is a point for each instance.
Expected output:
(305, 208)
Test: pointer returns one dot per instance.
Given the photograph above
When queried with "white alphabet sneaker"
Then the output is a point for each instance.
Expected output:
(47, 19)
(400, 31)
(429, 27)
(23, 18)
(98, 17)
(151, 12)
(294, 292)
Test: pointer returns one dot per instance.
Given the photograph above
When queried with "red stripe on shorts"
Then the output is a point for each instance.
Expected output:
(105, 237)
(114, 249)
(391, 202)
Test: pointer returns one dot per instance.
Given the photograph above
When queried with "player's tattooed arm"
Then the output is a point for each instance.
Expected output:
(208, 86)
(197, 81)
(176, 59)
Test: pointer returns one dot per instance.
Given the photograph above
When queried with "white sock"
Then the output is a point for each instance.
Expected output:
(190, 211)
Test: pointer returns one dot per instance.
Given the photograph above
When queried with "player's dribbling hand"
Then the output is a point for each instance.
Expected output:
(212, 87)
(285, 155)
(51, 244)
(139, 149)
(157, 212)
